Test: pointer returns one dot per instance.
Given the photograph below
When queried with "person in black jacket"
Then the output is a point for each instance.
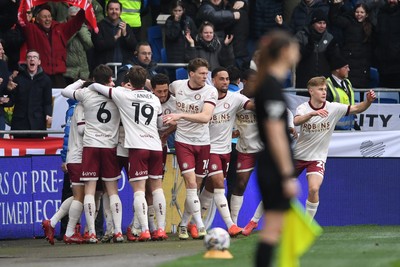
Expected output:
(31, 94)
(387, 49)
(3, 93)
(229, 19)
(357, 45)
(142, 57)
(115, 40)
(317, 47)
(176, 27)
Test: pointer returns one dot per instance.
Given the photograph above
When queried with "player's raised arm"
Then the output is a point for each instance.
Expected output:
(69, 91)
(361, 107)
(102, 89)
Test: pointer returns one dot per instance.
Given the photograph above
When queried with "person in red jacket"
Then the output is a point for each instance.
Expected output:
(50, 38)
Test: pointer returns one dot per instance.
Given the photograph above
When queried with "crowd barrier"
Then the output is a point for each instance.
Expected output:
(361, 185)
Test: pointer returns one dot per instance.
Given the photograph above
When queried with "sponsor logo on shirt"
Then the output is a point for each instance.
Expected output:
(315, 127)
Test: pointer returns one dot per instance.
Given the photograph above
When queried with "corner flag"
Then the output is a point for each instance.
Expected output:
(298, 234)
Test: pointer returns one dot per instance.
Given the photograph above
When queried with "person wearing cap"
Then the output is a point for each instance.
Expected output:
(317, 45)
(340, 90)
(50, 38)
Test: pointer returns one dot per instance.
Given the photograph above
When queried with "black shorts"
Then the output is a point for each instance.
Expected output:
(270, 183)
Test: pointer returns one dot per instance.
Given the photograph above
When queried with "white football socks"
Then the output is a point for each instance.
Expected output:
(108, 214)
(236, 205)
(160, 208)
(258, 213)
(151, 216)
(116, 211)
(75, 211)
(222, 205)
(140, 205)
(186, 215)
(90, 212)
(62, 211)
(311, 208)
(206, 200)
(193, 203)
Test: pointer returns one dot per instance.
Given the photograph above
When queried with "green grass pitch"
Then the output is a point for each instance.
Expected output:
(349, 246)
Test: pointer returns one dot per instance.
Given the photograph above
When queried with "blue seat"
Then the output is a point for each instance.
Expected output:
(155, 39)
(357, 97)
(164, 55)
(181, 74)
(387, 98)
(288, 81)
(374, 82)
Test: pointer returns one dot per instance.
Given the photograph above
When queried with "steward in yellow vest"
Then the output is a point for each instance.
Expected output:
(340, 90)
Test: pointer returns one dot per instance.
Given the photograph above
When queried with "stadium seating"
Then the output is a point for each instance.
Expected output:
(164, 55)
(155, 39)
(374, 82)
(181, 74)
(388, 97)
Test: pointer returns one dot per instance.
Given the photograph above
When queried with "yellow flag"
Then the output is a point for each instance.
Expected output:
(298, 234)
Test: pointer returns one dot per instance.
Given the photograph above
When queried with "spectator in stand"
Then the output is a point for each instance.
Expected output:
(288, 7)
(176, 27)
(373, 6)
(340, 90)
(230, 19)
(301, 16)
(131, 14)
(142, 57)
(191, 7)
(357, 45)
(10, 32)
(263, 14)
(30, 93)
(387, 49)
(209, 47)
(3, 86)
(77, 62)
(317, 46)
(59, 10)
(50, 38)
(115, 40)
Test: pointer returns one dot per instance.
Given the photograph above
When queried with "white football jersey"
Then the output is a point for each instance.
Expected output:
(75, 138)
(190, 100)
(316, 133)
(121, 150)
(102, 119)
(249, 140)
(140, 114)
(167, 108)
(222, 121)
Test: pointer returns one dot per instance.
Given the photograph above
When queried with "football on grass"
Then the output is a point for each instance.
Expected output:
(217, 239)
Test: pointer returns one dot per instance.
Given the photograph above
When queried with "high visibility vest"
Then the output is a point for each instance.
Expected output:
(340, 96)
(131, 12)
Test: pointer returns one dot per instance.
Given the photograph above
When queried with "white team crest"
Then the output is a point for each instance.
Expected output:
(226, 105)
(239, 165)
(214, 166)
(185, 165)
(167, 111)
(197, 97)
